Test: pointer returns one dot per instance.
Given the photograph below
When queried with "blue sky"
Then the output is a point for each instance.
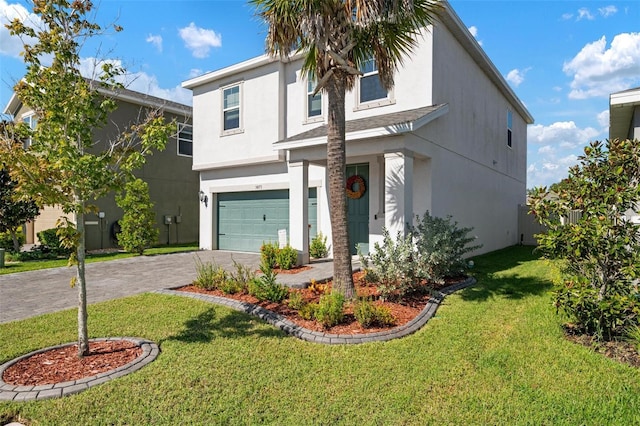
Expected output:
(562, 58)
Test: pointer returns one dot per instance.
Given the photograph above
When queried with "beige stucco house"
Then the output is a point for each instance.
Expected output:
(450, 138)
(173, 185)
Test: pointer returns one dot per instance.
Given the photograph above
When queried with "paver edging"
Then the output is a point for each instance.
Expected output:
(28, 393)
(302, 333)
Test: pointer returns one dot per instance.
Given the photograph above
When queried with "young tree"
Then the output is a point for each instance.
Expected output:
(63, 165)
(137, 225)
(13, 212)
(601, 249)
(336, 37)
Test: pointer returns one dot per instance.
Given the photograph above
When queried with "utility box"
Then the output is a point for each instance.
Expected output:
(168, 219)
(2, 257)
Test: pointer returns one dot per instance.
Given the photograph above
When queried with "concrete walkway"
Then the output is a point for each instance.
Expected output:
(28, 294)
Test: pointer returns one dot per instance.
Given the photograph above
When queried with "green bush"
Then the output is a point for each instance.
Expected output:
(296, 301)
(266, 287)
(440, 247)
(269, 253)
(318, 247)
(231, 286)
(52, 240)
(330, 309)
(287, 257)
(137, 226)
(369, 314)
(392, 266)
(210, 276)
(308, 311)
(242, 275)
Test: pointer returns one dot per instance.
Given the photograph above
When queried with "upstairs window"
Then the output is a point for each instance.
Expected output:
(32, 122)
(370, 86)
(314, 102)
(231, 108)
(509, 131)
(185, 139)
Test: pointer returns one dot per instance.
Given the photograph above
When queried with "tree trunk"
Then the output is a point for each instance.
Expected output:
(83, 333)
(14, 237)
(336, 167)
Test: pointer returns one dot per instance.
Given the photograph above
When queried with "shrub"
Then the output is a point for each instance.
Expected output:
(633, 337)
(287, 257)
(52, 239)
(308, 311)
(440, 246)
(296, 301)
(391, 266)
(330, 309)
(599, 250)
(318, 247)
(231, 286)
(266, 287)
(368, 314)
(242, 275)
(210, 276)
(137, 226)
(268, 254)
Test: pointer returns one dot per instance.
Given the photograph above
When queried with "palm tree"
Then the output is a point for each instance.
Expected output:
(335, 37)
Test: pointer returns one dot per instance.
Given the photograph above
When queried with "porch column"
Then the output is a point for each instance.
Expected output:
(299, 209)
(398, 191)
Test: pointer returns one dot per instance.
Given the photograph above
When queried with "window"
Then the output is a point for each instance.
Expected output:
(509, 131)
(314, 102)
(231, 108)
(32, 122)
(185, 139)
(370, 86)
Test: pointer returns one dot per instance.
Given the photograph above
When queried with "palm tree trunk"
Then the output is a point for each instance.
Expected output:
(336, 167)
(83, 333)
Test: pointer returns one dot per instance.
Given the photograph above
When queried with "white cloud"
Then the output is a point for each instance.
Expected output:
(584, 13)
(600, 71)
(567, 16)
(516, 76)
(561, 132)
(608, 11)
(12, 45)
(199, 40)
(156, 40)
(603, 120)
(561, 143)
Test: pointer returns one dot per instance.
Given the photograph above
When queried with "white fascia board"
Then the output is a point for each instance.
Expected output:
(369, 133)
(13, 105)
(626, 97)
(155, 102)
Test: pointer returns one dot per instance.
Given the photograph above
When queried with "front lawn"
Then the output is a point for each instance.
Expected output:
(494, 354)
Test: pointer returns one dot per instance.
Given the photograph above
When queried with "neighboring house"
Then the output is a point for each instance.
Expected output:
(624, 122)
(450, 138)
(173, 185)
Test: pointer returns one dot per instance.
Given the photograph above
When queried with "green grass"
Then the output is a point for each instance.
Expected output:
(32, 265)
(493, 355)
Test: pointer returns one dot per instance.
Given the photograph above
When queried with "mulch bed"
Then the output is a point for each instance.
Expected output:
(63, 365)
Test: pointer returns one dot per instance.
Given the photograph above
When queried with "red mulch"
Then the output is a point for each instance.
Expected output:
(403, 311)
(63, 365)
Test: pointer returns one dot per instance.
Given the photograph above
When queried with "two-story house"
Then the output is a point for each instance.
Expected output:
(173, 185)
(450, 138)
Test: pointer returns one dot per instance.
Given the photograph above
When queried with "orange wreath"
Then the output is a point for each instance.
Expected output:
(355, 179)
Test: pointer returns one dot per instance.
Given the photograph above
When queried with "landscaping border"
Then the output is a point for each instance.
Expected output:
(327, 338)
(8, 392)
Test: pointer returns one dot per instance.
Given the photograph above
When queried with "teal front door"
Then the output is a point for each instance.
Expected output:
(358, 209)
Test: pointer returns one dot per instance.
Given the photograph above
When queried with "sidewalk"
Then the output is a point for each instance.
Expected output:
(28, 294)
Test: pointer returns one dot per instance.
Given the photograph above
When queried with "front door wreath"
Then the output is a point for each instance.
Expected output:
(355, 187)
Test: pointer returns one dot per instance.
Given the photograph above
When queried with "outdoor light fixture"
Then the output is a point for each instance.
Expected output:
(204, 198)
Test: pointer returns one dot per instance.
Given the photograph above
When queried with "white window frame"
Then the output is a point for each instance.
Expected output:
(240, 128)
(510, 128)
(181, 130)
(374, 103)
(32, 120)
(309, 88)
